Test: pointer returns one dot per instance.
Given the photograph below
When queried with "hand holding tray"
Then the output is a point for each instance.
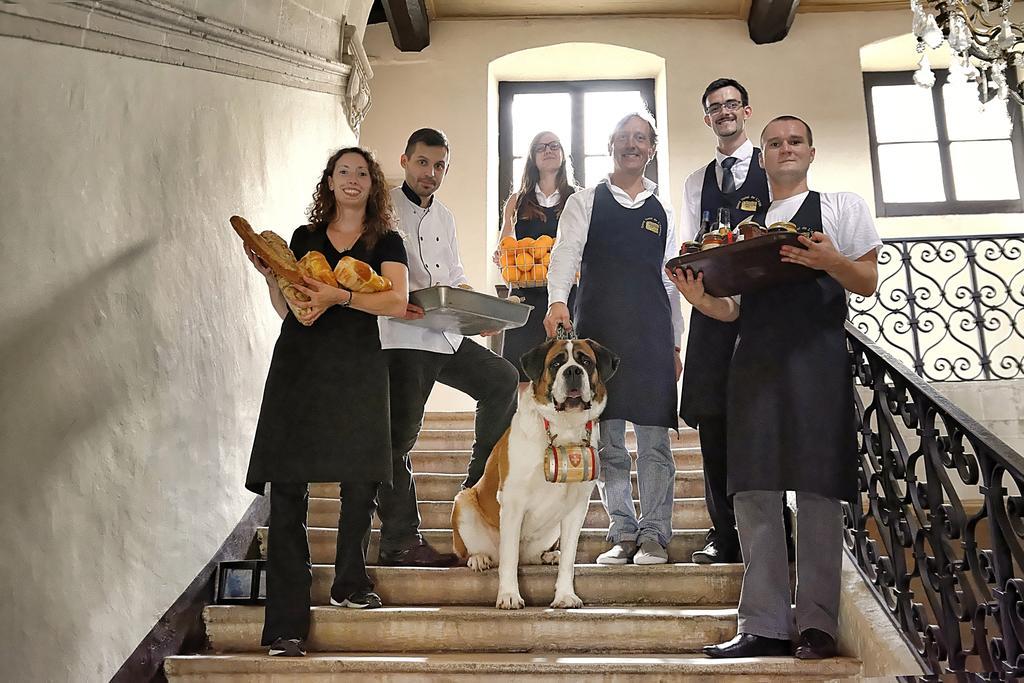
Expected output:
(745, 266)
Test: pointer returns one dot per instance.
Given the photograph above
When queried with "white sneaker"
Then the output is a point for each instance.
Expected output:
(620, 553)
(650, 552)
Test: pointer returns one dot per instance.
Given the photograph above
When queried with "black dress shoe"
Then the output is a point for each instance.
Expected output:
(750, 645)
(422, 555)
(715, 552)
(816, 644)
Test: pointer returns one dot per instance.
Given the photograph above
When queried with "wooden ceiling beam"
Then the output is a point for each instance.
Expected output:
(769, 21)
(410, 25)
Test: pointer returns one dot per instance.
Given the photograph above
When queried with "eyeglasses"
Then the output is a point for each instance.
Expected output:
(554, 146)
(728, 105)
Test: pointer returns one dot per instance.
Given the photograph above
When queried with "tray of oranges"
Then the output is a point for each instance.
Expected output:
(524, 262)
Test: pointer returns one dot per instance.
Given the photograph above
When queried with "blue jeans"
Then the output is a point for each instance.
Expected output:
(656, 475)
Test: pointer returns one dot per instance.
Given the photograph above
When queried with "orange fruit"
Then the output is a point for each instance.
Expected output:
(525, 242)
(510, 274)
(539, 273)
(507, 242)
(524, 260)
(546, 259)
(505, 258)
(542, 246)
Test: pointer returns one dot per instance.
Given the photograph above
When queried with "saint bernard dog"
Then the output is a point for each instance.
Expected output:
(513, 515)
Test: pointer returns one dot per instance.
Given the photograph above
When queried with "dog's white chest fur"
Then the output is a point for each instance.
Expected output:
(546, 503)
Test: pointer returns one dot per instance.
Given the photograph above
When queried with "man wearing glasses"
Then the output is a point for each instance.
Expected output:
(618, 236)
(734, 180)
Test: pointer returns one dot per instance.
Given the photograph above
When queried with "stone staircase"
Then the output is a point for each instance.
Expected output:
(441, 624)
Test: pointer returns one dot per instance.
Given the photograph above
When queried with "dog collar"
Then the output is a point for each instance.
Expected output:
(587, 439)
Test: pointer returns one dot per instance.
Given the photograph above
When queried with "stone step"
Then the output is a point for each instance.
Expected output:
(687, 513)
(665, 584)
(413, 667)
(323, 544)
(460, 439)
(430, 486)
(457, 461)
(484, 629)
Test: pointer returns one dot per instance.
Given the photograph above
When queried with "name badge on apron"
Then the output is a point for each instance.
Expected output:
(652, 224)
(751, 204)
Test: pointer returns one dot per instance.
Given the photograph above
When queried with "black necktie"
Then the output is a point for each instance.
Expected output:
(728, 181)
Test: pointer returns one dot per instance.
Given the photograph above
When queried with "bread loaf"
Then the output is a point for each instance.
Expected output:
(279, 248)
(315, 265)
(356, 276)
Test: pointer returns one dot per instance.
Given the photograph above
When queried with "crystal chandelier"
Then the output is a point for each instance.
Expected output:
(983, 43)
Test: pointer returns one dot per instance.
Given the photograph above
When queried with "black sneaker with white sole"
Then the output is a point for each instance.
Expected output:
(359, 600)
(287, 647)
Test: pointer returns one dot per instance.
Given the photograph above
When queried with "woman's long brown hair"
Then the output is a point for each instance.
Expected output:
(527, 207)
(380, 214)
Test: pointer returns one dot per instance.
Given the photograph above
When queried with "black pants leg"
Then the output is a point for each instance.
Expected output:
(289, 573)
(358, 502)
(492, 382)
(712, 433)
(412, 374)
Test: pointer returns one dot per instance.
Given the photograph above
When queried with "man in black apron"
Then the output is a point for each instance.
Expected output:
(618, 236)
(734, 180)
(790, 406)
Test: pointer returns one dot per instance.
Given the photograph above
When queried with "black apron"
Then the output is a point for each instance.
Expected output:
(791, 414)
(519, 340)
(710, 343)
(325, 415)
(622, 304)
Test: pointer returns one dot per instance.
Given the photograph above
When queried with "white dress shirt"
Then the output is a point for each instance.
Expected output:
(547, 200)
(845, 218)
(689, 217)
(433, 251)
(573, 228)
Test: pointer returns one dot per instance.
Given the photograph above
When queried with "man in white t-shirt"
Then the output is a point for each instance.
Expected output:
(790, 407)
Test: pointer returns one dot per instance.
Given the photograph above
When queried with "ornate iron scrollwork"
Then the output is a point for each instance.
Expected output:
(950, 307)
(949, 573)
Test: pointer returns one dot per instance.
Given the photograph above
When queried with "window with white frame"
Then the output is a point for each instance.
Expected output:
(938, 151)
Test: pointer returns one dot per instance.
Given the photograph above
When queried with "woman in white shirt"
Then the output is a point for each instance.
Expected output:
(533, 212)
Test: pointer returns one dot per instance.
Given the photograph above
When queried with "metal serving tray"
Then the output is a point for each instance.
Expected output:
(744, 267)
(465, 311)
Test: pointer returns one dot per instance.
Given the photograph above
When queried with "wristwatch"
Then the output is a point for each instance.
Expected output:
(349, 301)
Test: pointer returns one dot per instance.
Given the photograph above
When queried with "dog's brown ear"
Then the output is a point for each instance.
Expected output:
(607, 362)
(534, 360)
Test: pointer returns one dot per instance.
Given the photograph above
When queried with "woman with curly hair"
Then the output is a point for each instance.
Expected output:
(325, 415)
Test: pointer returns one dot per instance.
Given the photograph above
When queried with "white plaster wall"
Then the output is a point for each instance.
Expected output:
(134, 337)
(815, 73)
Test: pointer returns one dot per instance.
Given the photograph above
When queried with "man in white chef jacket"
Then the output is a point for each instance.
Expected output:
(418, 356)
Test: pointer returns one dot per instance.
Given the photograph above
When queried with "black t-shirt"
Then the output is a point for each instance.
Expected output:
(389, 247)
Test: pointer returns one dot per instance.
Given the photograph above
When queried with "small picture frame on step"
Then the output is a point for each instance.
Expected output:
(241, 582)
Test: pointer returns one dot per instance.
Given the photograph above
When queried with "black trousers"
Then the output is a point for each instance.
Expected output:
(289, 572)
(712, 433)
(486, 377)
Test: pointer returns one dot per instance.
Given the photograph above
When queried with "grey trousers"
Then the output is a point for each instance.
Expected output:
(764, 608)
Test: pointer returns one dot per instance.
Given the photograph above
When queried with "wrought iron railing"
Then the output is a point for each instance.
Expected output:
(948, 571)
(950, 307)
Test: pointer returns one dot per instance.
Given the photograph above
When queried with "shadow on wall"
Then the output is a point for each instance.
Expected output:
(53, 388)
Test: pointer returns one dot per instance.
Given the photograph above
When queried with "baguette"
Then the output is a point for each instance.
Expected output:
(280, 251)
(357, 276)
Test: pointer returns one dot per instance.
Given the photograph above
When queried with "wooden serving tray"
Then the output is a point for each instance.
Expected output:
(256, 243)
(746, 266)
